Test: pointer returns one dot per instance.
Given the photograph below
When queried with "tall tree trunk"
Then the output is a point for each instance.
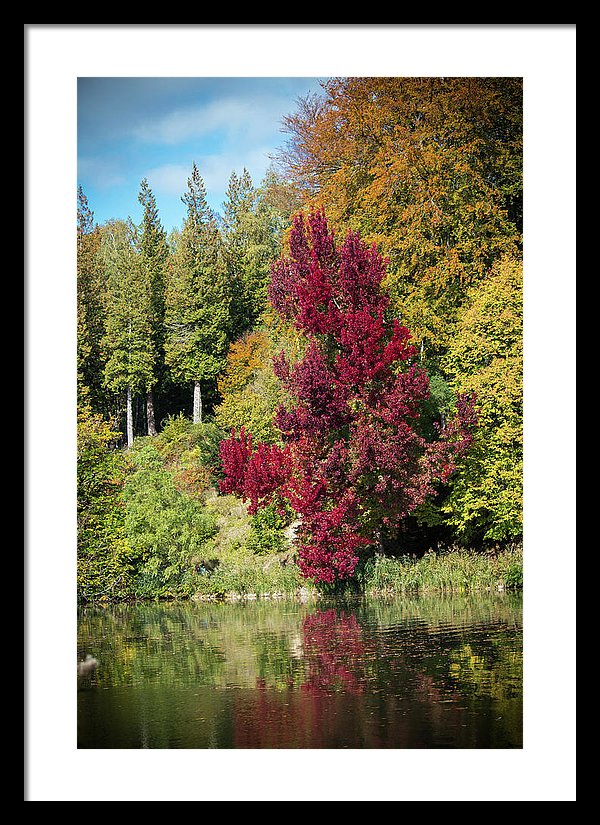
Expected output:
(129, 419)
(197, 403)
(150, 413)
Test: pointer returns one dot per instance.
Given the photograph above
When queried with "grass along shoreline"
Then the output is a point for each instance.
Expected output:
(445, 572)
(452, 570)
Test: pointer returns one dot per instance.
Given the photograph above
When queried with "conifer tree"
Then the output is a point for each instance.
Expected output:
(128, 344)
(251, 234)
(236, 208)
(155, 253)
(197, 301)
(90, 313)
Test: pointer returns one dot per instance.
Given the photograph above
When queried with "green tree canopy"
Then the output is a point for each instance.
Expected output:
(129, 348)
(90, 310)
(154, 251)
(251, 237)
(197, 299)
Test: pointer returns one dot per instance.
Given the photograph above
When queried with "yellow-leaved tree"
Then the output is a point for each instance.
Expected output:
(486, 357)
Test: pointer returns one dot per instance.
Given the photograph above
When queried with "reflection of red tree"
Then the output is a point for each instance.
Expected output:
(318, 715)
(265, 718)
(334, 652)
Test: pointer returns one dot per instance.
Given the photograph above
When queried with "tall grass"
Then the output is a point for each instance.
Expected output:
(251, 576)
(450, 571)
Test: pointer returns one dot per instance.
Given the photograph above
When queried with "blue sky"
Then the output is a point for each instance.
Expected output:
(130, 128)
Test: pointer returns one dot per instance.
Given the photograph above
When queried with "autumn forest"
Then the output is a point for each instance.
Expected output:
(326, 375)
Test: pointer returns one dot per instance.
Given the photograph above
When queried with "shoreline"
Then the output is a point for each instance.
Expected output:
(452, 572)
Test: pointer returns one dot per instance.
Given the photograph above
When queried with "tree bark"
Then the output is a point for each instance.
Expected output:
(150, 413)
(197, 403)
(129, 419)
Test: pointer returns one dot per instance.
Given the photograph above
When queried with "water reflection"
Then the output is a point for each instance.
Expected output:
(401, 673)
(334, 652)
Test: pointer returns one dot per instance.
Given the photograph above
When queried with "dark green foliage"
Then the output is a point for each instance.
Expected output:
(251, 235)
(157, 312)
(438, 407)
(154, 247)
(154, 251)
(513, 577)
(128, 347)
(90, 313)
(197, 299)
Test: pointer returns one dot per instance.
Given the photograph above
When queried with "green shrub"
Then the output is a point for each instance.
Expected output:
(166, 528)
(104, 557)
(182, 441)
(267, 530)
(513, 578)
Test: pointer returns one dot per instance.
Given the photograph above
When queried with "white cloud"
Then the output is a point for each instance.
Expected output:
(216, 169)
(251, 116)
(101, 172)
(170, 179)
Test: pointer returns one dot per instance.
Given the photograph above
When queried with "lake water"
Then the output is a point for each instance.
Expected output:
(428, 672)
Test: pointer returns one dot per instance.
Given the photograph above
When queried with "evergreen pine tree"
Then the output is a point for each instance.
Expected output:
(155, 253)
(251, 238)
(197, 301)
(90, 312)
(129, 351)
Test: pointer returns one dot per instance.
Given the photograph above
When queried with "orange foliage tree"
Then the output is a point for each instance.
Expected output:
(429, 169)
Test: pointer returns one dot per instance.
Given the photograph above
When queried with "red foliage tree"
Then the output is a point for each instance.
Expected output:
(353, 463)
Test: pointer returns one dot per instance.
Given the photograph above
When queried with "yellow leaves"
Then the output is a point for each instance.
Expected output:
(245, 356)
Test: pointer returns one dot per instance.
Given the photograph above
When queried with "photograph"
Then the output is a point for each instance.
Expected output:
(298, 390)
